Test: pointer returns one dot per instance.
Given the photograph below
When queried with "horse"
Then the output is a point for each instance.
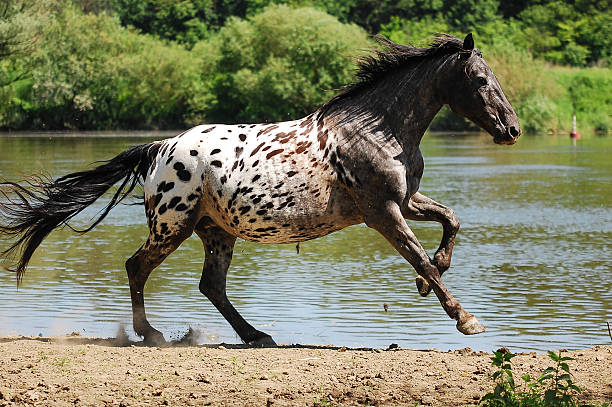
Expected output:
(354, 160)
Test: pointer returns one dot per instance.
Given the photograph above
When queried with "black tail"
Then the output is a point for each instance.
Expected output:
(33, 211)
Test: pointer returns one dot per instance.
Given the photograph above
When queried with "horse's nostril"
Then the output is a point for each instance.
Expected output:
(514, 132)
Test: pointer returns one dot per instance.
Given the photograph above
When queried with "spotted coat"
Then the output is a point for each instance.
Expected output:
(271, 183)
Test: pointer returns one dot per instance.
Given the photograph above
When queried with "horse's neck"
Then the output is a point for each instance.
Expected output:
(399, 108)
(412, 103)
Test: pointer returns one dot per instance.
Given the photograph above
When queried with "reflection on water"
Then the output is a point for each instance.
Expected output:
(532, 259)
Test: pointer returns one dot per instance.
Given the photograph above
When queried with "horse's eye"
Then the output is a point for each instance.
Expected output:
(481, 81)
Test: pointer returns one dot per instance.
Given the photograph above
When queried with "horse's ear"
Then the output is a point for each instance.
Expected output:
(468, 42)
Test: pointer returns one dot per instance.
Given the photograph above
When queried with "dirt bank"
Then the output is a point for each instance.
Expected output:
(77, 371)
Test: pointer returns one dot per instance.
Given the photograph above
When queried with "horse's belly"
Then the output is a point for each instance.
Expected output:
(284, 216)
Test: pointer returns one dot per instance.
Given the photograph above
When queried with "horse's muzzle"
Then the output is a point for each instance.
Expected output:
(509, 135)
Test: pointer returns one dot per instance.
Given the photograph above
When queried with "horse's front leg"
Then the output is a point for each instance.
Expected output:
(421, 208)
(389, 221)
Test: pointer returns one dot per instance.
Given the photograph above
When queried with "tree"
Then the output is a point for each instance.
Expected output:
(574, 34)
(279, 64)
(92, 73)
(21, 22)
(185, 21)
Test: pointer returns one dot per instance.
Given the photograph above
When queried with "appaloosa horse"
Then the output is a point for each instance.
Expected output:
(354, 160)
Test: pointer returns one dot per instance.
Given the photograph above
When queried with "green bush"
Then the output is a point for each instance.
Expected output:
(91, 73)
(568, 33)
(588, 93)
(186, 21)
(278, 65)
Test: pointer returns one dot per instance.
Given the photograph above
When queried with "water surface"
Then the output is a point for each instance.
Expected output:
(532, 259)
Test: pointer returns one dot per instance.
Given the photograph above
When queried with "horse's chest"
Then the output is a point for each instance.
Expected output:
(414, 172)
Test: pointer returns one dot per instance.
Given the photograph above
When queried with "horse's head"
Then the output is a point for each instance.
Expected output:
(476, 94)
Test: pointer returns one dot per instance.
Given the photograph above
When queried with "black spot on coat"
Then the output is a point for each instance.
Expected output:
(174, 201)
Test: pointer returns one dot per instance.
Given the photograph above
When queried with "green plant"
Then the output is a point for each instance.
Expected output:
(554, 388)
(238, 368)
(61, 362)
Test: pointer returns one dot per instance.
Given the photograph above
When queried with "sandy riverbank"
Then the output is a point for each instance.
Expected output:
(77, 371)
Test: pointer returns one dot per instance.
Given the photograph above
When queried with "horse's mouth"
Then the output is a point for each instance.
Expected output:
(508, 140)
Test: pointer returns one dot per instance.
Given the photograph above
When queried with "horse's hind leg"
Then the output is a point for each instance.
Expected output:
(139, 267)
(219, 246)
(421, 208)
(389, 222)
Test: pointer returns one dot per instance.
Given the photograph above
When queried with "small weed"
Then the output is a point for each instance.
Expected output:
(61, 362)
(238, 367)
(322, 402)
(42, 356)
(554, 388)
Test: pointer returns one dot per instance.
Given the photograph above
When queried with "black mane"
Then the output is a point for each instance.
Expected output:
(392, 56)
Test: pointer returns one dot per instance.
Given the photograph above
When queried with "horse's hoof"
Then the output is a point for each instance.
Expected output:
(154, 338)
(470, 326)
(423, 286)
(264, 341)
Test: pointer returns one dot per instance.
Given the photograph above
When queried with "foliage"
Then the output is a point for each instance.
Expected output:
(170, 63)
(92, 73)
(279, 64)
(554, 388)
(574, 34)
(184, 20)
(20, 26)
(588, 93)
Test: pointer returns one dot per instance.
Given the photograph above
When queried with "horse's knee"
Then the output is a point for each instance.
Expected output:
(453, 221)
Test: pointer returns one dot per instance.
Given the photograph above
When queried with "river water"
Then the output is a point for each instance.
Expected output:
(532, 260)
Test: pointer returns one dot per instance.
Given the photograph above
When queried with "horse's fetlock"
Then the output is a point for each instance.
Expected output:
(442, 260)
(428, 266)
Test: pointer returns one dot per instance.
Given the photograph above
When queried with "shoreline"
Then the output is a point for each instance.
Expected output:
(75, 370)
